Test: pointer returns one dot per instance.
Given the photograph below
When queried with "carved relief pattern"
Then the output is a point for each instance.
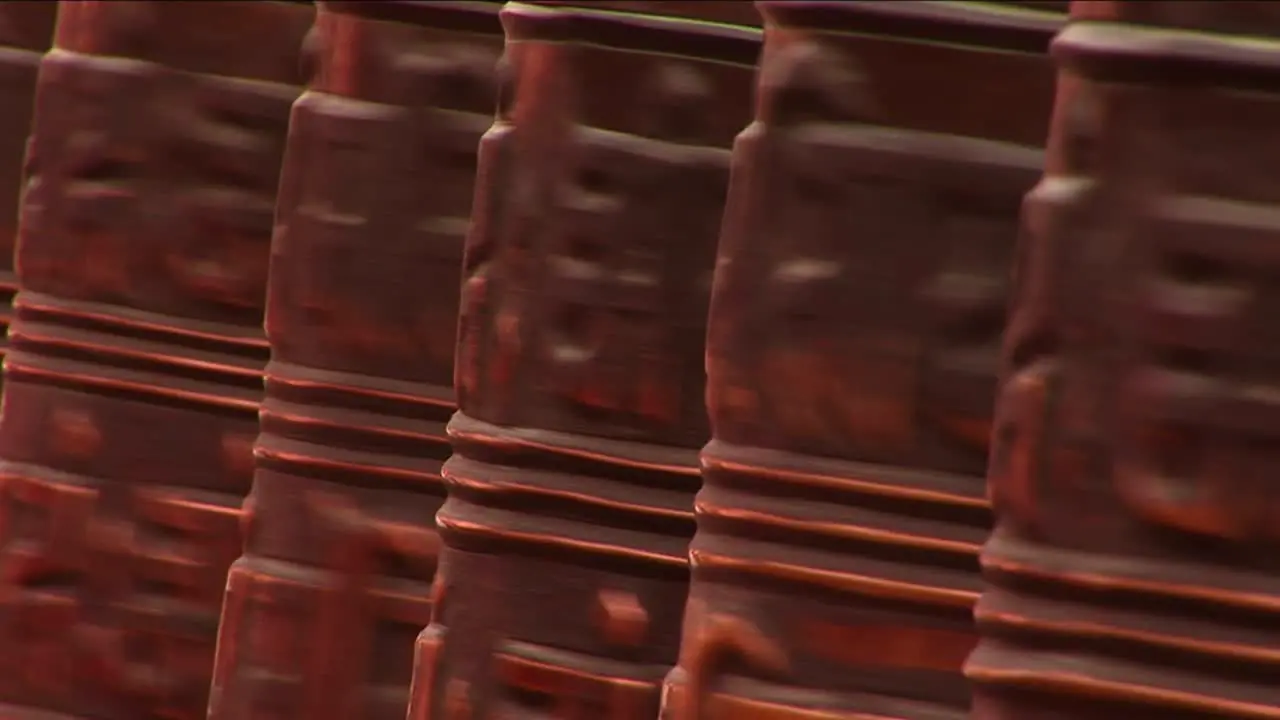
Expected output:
(114, 608)
(624, 282)
(135, 349)
(852, 354)
(290, 640)
(612, 342)
(323, 609)
(1128, 569)
(585, 286)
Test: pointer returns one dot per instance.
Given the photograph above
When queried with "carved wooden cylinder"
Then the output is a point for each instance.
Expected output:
(852, 349)
(26, 29)
(322, 611)
(1131, 572)
(563, 570)
(134, 370)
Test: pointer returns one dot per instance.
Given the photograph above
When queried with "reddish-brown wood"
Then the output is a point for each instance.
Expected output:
(26, 29)
(852, 351)
(133, 376)
(563, 570)
(1131, 572)
(322, 610)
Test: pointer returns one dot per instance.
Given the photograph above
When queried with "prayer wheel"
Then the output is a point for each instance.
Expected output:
(852, 347)
(26, 29)
(1131, 573)
(323, 608)
(133, 374)
(563, 569)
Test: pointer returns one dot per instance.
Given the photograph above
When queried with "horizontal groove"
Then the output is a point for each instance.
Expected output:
(759, 507)
(569, 461)
(982, 26)
(354, 429)
(469, 527)
(1153, 578)
(995, 664)
(138, 355)
(294, 383)
(139, 323)
(553, 496)
(455, 15)
(528, 486)
(355, 468)
(752, 512)
(1121, 52)
(10, 469)
(129, 385)
(132, 355)
(764, 700)
(483, 477)
(1003, 610)
(759, 563)
(823, 476)
(590, 667)
(706, 41)
(480, 439)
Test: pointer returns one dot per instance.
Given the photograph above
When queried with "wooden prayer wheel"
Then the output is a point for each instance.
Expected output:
(323, 609)
(852, 348)
(563, 569)
(133, 374)
(1132, 572)
(26, 29)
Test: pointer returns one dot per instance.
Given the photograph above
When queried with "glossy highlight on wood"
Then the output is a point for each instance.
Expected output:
(323, 609)
(852, 348)
(133, 374)
(563, 571)
(1131, 573)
